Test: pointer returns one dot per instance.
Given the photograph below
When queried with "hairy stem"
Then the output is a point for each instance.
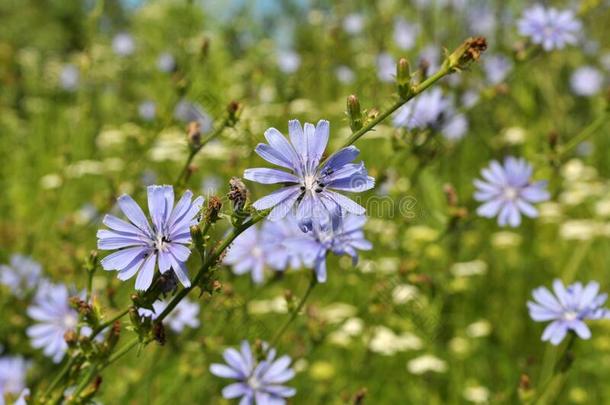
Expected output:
(586, 132)
(108, 323)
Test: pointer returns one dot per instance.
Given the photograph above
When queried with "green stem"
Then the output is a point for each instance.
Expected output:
(85, 381)
(554, 383)
(416, 90)
(59, 377)
(123, 351)
(585, 133)
(293, 315)
(108, 323)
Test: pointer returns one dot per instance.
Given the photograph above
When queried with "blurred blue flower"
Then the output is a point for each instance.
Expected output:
(185, 314)
(54, 317)
(586, 81)
(567, 309)
(258, 382)
(147, 110)
(166, 62)
(123, 44)
(254, 249)
(405, 34)
(423, 111)
(549, 27)
(309, 186)
(141, 246)
(386, 67)
(496, 68)
(314, 246)
(12, 375)
(455, 128)
(21, 275)
(186, 112)
(69, 77)
(288, 61)
(344, 74)
(353, 23)
(508, 192)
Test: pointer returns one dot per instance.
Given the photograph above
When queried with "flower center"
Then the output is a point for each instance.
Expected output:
(510, 193)
(161, 242)
(257, 251)
(570, 315)
(254, 383)
(70, 321)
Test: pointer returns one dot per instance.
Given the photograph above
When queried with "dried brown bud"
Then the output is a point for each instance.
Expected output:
(360, 395)
(159, 333)
(524, 382)
(468, 52)
(193, 134)
(213, 209)
(71, 337)
(450, 195)
(553, 138)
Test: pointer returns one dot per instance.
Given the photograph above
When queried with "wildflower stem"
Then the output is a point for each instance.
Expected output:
(123, 351)
(586, 132)
(184, 173)
(66, 368)
(293, 315)
(560, 368)
(108, 323)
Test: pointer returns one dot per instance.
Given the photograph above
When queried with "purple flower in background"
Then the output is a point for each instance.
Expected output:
(147, 110)
(288, 61)
(353, 23)
(310, 184)
(141, 245)
(568, 308)
(386, 67)
(405, 34)
(12, 375)
(550, 28)
(497, 67)
(256, 249)
(166, 62)
(344, 74)
(314, 246)
(508, 192)
(455, 128)
(186, 112)
(69, 77)
(423, 111)
(123, 44)
(586, 81)
(21, 275)
(54, 317)
(185, 314)
(258, 382)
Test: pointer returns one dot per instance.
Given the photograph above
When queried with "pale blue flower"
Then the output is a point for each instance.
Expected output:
(568, 309)
(405, 34)
(455, 128)
(258, 382)
(508, 191)
(141, 245)
(147, 110)
(586, 81)
(354, 23)
(53, 317)
(288, 61)
(549, 27)
(344, 74)
(386, 67)
(13, 370)
(186, 112)
(497, 68)
(123, 44)
(21, 275)
(185, 314)
(69, 77)
(309, 186)
(423, 111)
(166, 62)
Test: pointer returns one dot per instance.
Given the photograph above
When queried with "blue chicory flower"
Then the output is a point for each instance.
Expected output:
(21, 275)
(309, 186)
(185, 314)
(586, 81)
(549, 27)
(258, 382)
(424, 111)
(568, 309)
(123, 44)
(12, 375)
(54, 317)
(140, 245)
(508, 191)
(497, 68)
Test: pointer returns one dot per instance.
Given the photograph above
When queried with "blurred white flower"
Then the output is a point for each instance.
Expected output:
(478, 329)
(344, 74)
(386, 342)
(261, 307)
(426, 363)
(403, 293)
(550, 212)
(166, 62)
(84, 167)
(109, 138)
(476, 394)
(505, 239)
(147, 110)
(467, 269)
(50, 181)
(337, 312)
(514, 135)
(602, 208)
(386, 67)
(579, 229)
(69, 77)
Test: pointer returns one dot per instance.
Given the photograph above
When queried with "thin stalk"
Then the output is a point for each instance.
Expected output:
(585, 133)
(59, 377)
(108, 323)
(293, 315)
(555, 381)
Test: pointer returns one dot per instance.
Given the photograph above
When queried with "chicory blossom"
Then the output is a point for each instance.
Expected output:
(258, 382)
(123, 44)
(141, 246)
(310, 184)
(423, 111)
(185, 314)
(549, 27)
(12, 375)
(21, 275)
(497, 68)
(586, 81)
(568, 309)
(54, 317)
(507, 191)
(314, 246)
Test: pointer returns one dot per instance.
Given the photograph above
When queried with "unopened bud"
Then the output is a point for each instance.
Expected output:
(450, 195)
(354, 114)
(194, 134)
(233, 113)
(360, 395)
(113, 335)
(553, 138)
(205, 47)
(403, 78)
(213, 209)
(71, 337)
(159, 333)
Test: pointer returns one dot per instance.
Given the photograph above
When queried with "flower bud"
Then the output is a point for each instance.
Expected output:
(233, 110)
(354, 114)
(403, 78)
(159, 333)
(194, 134)
(468, 52)
(213, 209)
